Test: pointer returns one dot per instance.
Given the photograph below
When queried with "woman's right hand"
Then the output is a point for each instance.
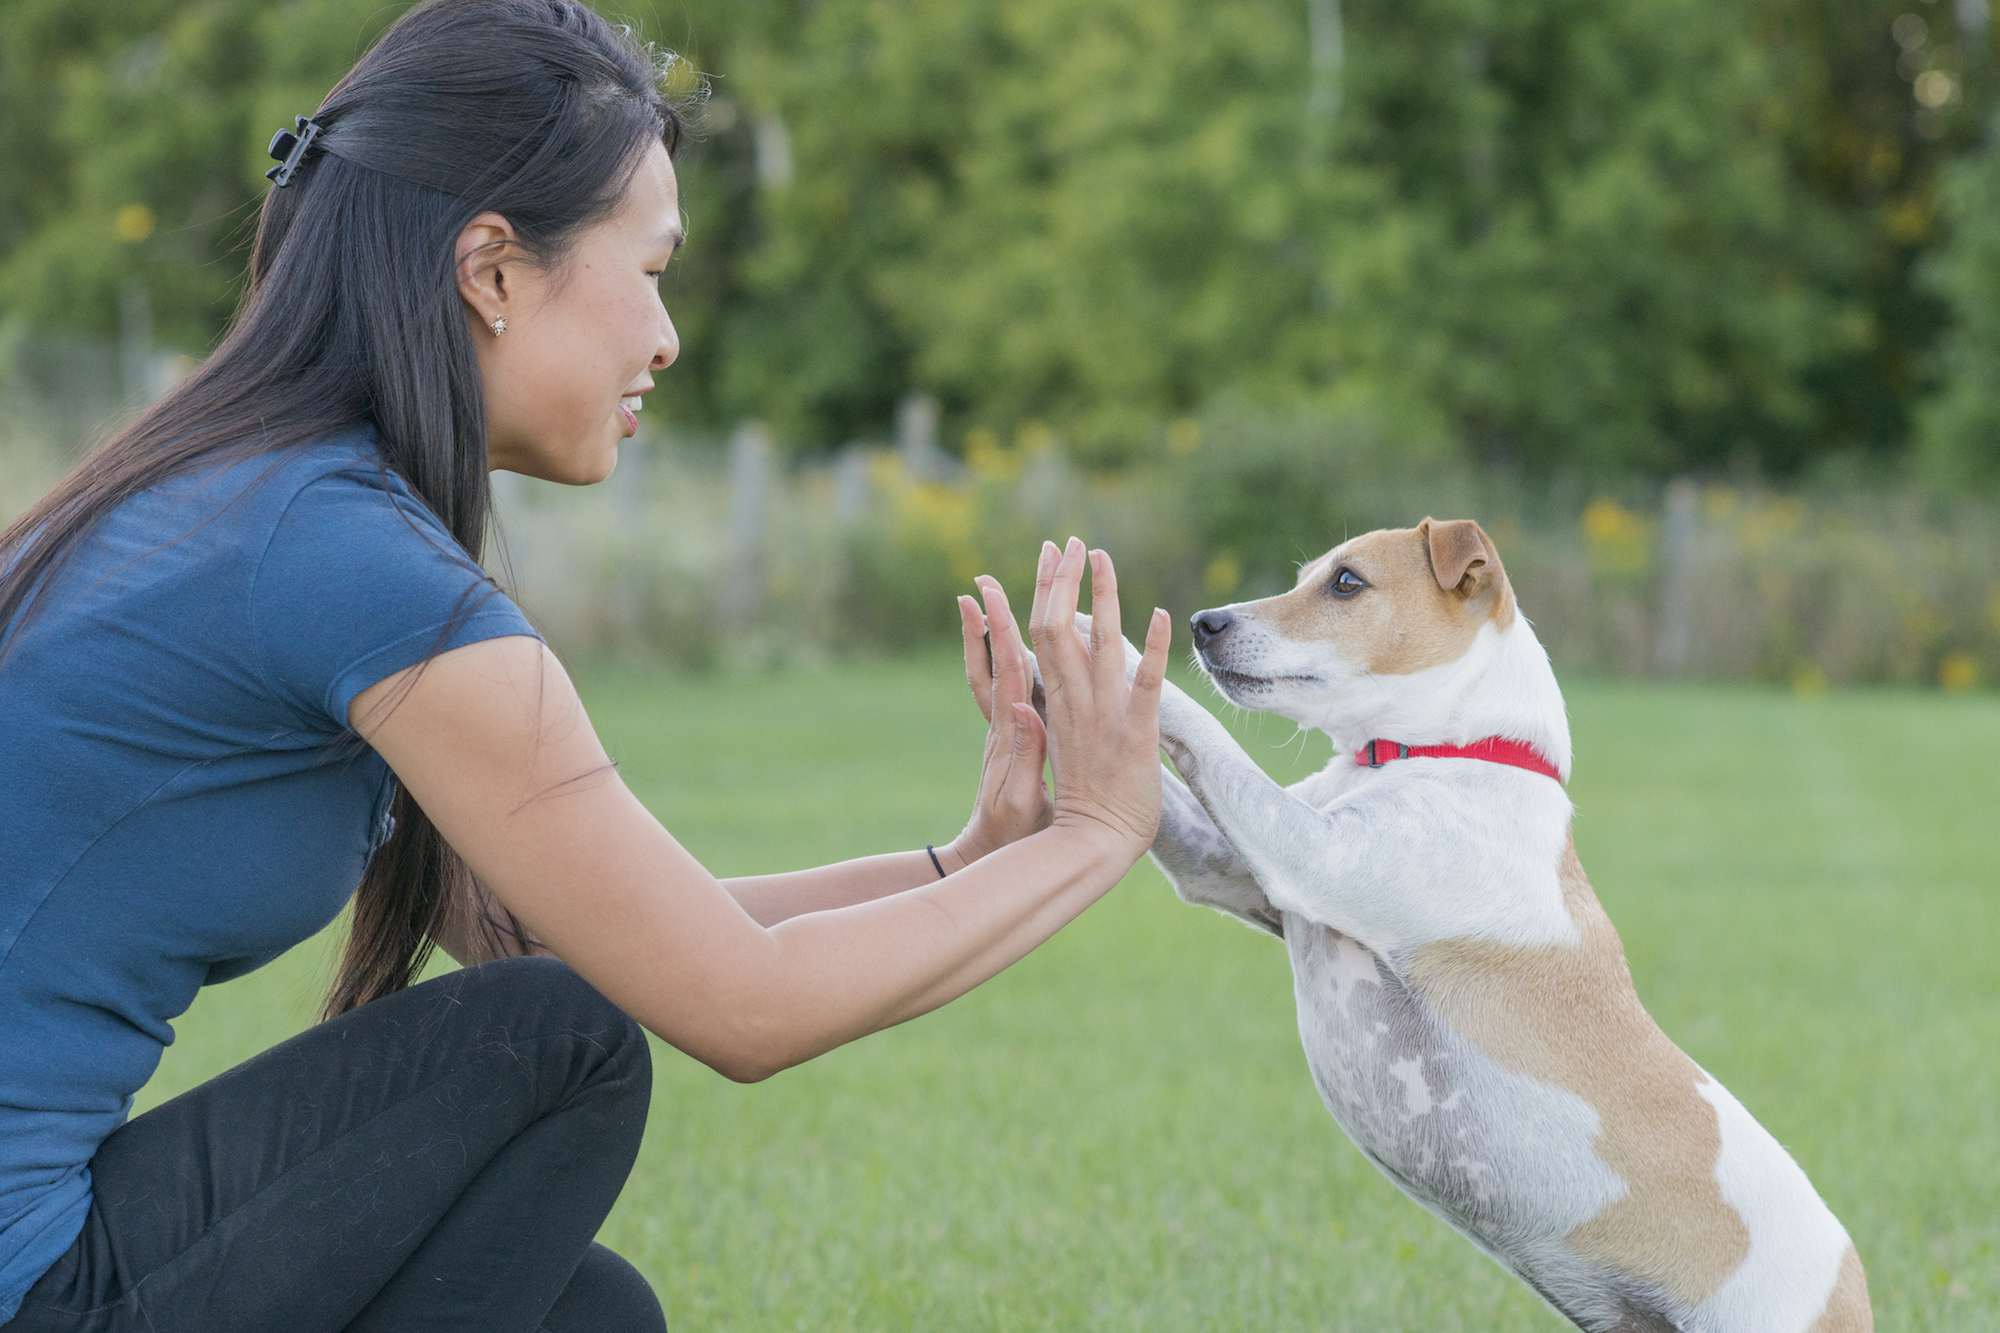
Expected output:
(1104, 732)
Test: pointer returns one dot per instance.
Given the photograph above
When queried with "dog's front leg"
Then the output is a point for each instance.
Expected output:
(1315, 862)
(1188, 848)
(1200, 863)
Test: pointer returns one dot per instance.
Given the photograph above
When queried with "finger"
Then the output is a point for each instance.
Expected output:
(1030, 739)
(1023, 787)
(1107, 637)
(1033, 739)
(987, 625)
(1058, 646)
(1147, 678)
(1037, 696)
(1010, 655)
(978, 665)
(1045, 573)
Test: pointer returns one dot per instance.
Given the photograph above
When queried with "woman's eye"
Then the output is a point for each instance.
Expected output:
(1346, 583)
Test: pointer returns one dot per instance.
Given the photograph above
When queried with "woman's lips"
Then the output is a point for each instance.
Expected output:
(630, 418)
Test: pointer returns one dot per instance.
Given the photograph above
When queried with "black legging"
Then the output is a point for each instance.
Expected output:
(438, 1159)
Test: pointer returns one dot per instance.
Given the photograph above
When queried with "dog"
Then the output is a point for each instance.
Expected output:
(1464, 1002)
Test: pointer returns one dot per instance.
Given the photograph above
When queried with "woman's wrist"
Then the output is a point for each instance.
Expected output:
(956, 855)
(1101, 840)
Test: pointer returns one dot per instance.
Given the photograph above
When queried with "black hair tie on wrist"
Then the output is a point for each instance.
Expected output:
(934, 861)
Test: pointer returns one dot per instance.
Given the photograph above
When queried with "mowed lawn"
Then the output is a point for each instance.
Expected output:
(1120, 1133)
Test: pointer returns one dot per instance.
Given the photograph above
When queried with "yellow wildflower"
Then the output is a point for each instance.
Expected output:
(133, 223)
(1958, 672)
(1222, 574)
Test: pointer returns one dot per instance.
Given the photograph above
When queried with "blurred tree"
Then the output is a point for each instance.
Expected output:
(1959, 430)
(1598, 238)
(1871, 101)
(1599, 260)
(149, 148)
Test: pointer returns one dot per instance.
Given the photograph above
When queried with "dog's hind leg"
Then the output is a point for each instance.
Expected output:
(1201, 865)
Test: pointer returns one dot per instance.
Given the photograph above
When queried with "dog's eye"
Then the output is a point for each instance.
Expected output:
(1346, 583)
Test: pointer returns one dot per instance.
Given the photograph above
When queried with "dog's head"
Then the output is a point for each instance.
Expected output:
(1369, 615)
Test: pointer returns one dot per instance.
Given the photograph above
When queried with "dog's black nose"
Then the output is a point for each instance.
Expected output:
(1208, 625)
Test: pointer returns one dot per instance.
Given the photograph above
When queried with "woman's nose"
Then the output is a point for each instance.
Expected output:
(670, 347)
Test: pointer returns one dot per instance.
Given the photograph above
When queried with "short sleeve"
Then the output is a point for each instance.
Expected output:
(359, 580)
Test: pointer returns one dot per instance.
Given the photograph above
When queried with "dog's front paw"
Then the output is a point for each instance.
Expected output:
(1186, 729)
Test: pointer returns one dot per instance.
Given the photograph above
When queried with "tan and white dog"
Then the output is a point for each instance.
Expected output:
(1464, 1003)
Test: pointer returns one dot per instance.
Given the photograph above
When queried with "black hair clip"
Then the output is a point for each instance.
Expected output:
(289, 147)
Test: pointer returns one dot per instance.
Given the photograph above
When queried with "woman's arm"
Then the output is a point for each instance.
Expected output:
(1011, 802)
(491, 736)
(486, 740)
(838, 971)
(770, 899)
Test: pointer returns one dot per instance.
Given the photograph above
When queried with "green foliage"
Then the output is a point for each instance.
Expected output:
(1599, 239)
(1959, 444)
(141, 133)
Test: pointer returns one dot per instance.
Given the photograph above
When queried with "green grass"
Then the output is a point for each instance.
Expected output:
(1119, 1132)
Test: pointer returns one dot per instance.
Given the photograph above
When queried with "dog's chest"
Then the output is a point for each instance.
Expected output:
(1485, 1149)
(1382, 1065)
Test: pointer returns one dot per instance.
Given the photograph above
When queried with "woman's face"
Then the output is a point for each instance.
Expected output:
(571, 351)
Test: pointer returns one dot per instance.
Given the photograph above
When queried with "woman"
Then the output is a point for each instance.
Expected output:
(247, 656)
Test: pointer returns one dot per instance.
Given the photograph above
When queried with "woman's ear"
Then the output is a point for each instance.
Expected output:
(484, 245)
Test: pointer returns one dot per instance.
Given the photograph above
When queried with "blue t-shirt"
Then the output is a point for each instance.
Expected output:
(168, 817)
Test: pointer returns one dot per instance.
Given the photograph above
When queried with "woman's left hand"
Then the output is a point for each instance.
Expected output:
(1012, 801)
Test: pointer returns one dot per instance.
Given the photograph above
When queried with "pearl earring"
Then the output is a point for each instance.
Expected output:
(500, 325)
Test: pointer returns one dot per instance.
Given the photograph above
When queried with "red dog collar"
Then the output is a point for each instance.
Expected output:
(1496, 748)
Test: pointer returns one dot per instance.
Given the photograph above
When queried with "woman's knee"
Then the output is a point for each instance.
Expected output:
(555, 998)
(548, 986)
(606, 1292)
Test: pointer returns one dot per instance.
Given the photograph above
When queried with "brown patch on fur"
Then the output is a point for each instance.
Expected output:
(1406, 620)
(1568, 1015)
(1847, 1309)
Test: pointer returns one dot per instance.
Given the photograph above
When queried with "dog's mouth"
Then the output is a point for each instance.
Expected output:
(1242, 680)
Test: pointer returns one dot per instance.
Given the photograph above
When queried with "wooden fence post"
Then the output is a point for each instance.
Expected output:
(1672, 619)
(740, 591)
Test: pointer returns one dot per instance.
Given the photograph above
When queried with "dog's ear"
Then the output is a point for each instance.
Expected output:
(1462, 556)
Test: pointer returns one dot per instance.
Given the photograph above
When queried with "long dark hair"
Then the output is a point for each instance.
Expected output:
(539, 110)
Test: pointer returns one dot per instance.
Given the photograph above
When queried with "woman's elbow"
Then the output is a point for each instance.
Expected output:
(741, 1071)
(756, 1048)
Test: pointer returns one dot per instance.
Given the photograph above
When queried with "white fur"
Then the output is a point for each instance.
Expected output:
(1794, 1252)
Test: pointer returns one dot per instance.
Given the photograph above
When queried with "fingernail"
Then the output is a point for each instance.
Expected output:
(1048, 554)
(1074, 545)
